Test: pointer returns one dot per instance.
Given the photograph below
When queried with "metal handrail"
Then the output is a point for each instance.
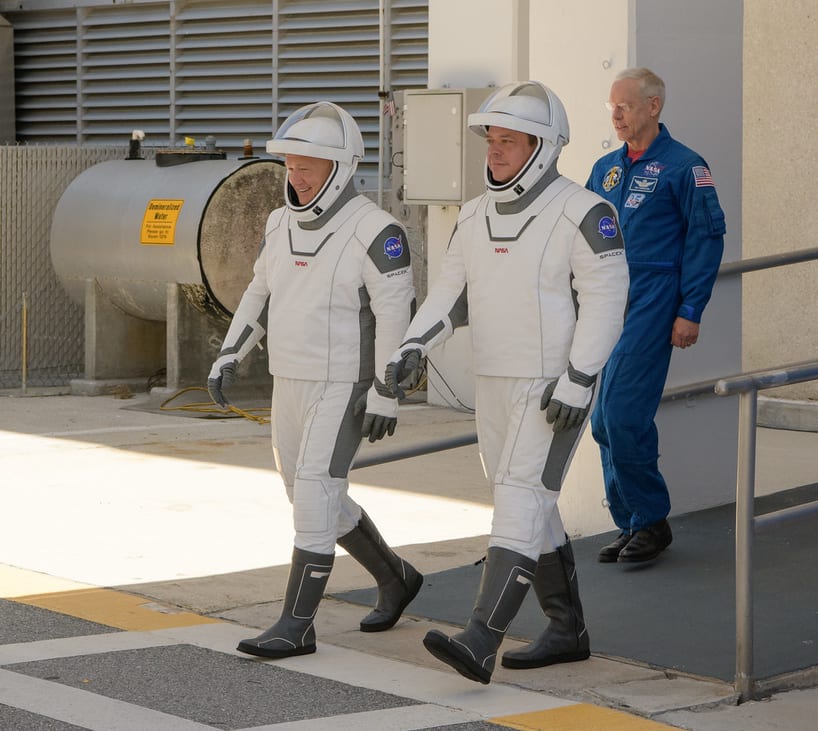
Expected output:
(414, 451)
(771, 261)
(747, 386)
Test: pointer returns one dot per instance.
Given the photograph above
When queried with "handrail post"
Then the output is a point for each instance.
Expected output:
(745, 492)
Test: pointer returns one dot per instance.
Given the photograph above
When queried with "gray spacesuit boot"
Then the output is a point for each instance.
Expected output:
(294, 633)
(472, 652)
(398, 581)
(566, 638)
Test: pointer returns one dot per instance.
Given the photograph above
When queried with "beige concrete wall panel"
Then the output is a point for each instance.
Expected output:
(781, 120)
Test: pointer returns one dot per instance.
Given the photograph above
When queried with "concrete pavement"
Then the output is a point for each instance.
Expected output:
(182, 521)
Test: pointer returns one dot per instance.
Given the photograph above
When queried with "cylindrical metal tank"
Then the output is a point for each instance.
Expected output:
(134, 226)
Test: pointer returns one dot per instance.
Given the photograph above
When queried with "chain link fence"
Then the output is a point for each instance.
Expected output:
(41, 329)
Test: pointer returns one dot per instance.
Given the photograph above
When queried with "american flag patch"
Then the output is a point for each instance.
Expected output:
(702, 177)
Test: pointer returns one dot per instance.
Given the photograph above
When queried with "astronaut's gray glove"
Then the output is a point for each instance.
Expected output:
(222, 374)
(403, 371)
(566, 403)
(380, 414)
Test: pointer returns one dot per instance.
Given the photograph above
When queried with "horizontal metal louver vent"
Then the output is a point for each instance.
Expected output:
(124, 84)
(223, 72)
(45, 75)
(191, 68)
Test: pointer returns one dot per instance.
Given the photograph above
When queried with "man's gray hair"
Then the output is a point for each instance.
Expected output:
(649, 83)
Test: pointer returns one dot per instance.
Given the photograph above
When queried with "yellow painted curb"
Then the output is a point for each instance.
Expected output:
(579, 717)
(114, 609)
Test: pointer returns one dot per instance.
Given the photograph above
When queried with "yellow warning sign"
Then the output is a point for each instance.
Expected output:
(159, 222)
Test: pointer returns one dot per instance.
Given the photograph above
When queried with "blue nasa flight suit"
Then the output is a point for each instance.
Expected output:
(673, 228)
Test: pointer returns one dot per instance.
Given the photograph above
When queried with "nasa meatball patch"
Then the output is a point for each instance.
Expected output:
(601, 230)
(607, 227)
(390, 249)
(393, 247)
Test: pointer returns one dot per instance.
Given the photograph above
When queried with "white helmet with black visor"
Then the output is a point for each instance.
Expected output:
(323, 130)
(532, 108)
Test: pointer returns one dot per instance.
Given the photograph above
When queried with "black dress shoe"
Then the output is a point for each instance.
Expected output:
(610, 553)
(647, 543)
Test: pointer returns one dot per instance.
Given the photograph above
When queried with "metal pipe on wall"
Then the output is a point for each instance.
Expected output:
(384, 87)
(24, 344)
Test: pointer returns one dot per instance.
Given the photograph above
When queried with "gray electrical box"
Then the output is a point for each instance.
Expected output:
(443, 160)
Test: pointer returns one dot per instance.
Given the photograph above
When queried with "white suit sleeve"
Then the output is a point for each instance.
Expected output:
(600, 272)
(445, 307)
(387, 275)
(249, 320)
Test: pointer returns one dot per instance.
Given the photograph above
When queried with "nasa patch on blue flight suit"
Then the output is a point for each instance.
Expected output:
(612, 178)
(634, 199)
(641, 184)
(653, 168)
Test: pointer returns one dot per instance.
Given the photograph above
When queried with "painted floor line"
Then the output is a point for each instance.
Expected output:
(580, 717)
(114, 609)
(444, 698)
(148, 624)
(84, 645)
(85, 709)
(501, 704)
(404, 718)
(403, 679)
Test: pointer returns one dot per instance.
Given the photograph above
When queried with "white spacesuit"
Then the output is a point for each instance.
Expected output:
(333, 286)
(536, 267)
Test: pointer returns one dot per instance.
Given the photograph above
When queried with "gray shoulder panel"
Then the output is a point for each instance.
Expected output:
(389, 250)
(601, 229)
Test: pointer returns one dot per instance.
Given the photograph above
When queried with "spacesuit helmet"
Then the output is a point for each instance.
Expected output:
(532, 108)
(326, 131)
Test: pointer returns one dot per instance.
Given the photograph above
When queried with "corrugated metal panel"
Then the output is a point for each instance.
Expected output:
(45, 65)
(125, 72)
(223, 71)
(410, 45)
(191, 68)
(331, 50)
